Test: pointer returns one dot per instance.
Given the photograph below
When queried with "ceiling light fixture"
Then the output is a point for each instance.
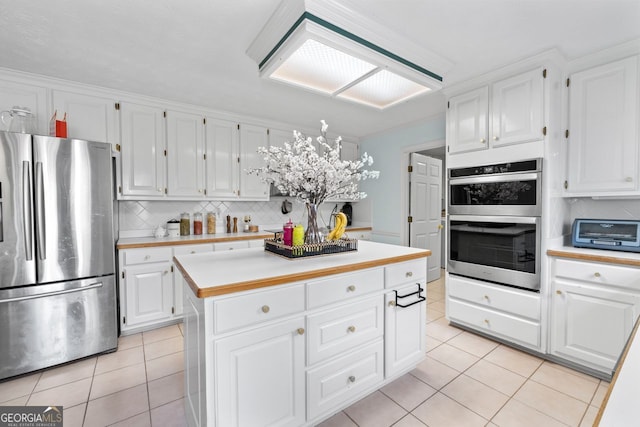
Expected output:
(298, 47)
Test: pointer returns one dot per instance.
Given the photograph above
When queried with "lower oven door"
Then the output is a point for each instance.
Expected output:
(500, 249)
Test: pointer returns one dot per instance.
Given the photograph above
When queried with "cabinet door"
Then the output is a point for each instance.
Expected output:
(93, 118)
(591, 324)
(260, 376)
(149, 294)
(222, 138)
(516, 107)
(252, 137)
(467, 117)
(143, 150)
(603, 132)
(185, 155)
(22, 95)
(405, 330)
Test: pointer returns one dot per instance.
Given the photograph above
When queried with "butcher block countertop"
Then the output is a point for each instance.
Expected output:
(219, 273)
(597, 255)
(149, 242)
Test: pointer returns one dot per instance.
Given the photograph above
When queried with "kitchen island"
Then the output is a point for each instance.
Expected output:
(273, 341)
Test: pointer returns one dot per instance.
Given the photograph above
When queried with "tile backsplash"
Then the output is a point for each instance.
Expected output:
(141, 217)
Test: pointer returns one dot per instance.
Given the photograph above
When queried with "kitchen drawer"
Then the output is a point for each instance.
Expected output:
(228, 246)
(598, 273)
(147, 255)
(192, 249)
(503, 298)
(337, 330)
(256, 307)
(332, 384)
(511, 328)
(343, 287)
(405, 272)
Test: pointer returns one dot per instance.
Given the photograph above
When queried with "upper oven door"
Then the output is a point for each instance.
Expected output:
(509, 194)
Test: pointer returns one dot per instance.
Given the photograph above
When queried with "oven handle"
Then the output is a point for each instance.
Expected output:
(495, 178)
(496, 218)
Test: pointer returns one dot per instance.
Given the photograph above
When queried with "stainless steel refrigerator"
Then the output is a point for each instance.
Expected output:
(57, 281)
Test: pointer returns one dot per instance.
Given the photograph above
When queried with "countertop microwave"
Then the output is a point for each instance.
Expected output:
(610, 234)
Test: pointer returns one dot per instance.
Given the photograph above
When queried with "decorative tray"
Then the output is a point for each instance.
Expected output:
(308, 250)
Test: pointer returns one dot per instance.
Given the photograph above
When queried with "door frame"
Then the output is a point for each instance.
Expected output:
(404, 183)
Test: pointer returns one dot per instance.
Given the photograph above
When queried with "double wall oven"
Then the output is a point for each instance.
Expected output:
(494, 223)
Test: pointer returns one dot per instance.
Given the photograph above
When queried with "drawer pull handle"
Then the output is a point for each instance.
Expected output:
(351, 329)
(265, 308)
(300, 331)
(352, 379)
(351, 288)
(408, 274)
(596, 274)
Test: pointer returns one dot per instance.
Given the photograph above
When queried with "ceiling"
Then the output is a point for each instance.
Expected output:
(194, 51)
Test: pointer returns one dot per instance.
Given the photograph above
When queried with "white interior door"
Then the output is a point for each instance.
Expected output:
(425, 195)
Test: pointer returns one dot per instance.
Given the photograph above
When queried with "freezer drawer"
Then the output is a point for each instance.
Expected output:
(46, 325)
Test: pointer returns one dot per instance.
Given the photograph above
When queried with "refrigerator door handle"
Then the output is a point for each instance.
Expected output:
(50, 294)
(40, 230)
(27, 213)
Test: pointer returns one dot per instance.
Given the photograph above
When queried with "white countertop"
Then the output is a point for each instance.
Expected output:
(598, 255)
(620, 407)
(218, 273)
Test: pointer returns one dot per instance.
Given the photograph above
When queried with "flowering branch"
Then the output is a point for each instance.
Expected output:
(298, 170)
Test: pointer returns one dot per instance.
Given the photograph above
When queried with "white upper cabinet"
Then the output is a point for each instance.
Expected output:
(13, 94)
(89, 117)
(602, 157)
(221, 158)
(252, 137)
(185, 155)
(467, 119)
(516, 109)
(143, 150)
(512, 114)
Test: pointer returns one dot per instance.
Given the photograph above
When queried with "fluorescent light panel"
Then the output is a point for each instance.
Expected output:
(320, 67)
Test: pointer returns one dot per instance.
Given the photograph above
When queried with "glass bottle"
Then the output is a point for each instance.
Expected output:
(211, 223)
(197, 223)
(185, 224)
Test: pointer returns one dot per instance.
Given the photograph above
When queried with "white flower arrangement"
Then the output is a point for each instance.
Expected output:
(299, 170)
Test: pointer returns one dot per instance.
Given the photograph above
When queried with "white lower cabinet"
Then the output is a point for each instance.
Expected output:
(149, 294)
(289, 355)
(260, 376)
(506, 313)
(593, 309)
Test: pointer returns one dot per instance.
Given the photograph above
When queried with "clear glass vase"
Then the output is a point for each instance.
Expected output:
(312, 234)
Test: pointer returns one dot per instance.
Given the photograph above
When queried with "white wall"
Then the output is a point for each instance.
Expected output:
(384, 193)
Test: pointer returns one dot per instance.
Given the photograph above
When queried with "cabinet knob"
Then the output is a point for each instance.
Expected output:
(351, 288)
(486, 321)
(300, 331)
(440, 226)
(408, 274)
(351, 328)
(352, 379)
(482, 140)
(495, 138)
(486, 297)
(628, 179)
(559, 292)
(165, 272)
(159, 190)
(596, 274)
(193, 252)
(392, 303)
(147, 257)
(265, 308)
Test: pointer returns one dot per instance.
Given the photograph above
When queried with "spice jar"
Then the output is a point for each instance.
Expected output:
(185, 224)
(211, 223)
(197, 223)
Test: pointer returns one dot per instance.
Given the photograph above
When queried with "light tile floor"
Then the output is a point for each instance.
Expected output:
(465, 380)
